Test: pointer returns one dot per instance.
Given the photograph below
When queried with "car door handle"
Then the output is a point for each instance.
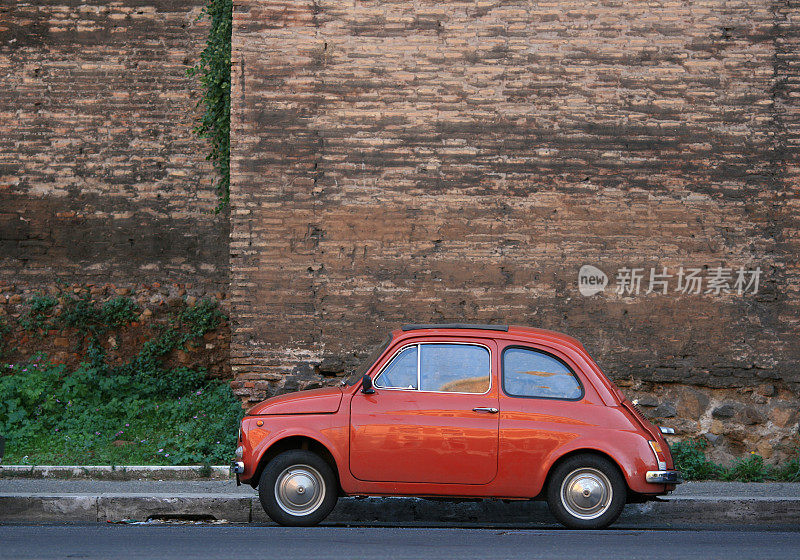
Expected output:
(488, 409)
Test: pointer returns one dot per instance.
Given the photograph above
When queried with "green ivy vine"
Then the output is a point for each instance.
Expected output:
(214, 73)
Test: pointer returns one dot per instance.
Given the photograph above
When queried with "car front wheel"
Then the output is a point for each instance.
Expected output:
(586, 492)
(298, 488)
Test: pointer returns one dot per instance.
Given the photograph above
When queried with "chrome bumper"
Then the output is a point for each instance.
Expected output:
(663, 477)
(237, 467)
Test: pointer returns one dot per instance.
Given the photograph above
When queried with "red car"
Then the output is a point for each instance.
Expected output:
(460, 411)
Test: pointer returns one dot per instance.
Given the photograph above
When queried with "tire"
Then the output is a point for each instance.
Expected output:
(586, 492)
(284, 488)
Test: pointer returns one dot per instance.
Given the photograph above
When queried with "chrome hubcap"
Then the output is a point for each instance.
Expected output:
(300, 490)
(586, 493)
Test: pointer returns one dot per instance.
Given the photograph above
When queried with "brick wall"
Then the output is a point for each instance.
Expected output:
(400, 162)
(101, 179)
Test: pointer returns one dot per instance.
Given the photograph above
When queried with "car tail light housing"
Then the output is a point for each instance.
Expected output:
(658, 451)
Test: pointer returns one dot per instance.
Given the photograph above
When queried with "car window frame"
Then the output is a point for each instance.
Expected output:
(389, 363)
(549, 354)
(419, 369)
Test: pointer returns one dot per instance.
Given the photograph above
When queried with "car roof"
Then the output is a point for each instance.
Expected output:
(490, 330)
(470, 326)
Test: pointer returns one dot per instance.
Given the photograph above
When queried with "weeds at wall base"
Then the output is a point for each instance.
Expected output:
(140, 411)
(691, 461)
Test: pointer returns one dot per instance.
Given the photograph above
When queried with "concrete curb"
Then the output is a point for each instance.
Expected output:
(236, 508)
(105, 472)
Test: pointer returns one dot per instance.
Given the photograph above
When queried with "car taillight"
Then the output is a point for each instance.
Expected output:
(661, 458)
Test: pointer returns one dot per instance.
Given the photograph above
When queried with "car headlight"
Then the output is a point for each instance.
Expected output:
(239, 452)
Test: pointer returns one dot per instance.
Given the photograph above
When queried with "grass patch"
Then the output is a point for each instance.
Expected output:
(690, 459)
(87, 317)
(139, 412)
(39, 316)
(82, 314)
(91, 416)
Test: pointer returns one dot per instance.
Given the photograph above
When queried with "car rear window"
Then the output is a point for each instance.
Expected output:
(532, 373)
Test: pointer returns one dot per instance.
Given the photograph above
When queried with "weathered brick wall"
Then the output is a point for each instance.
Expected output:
(403, 162)
(71, 329)
(101, 179)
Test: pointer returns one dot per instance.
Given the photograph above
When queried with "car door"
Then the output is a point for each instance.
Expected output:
(545, 406)
(433, 417)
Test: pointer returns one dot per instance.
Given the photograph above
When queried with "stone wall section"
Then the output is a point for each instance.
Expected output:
(101, 177)
(397, 162)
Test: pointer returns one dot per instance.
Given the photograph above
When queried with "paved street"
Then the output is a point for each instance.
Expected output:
(774, 505)
(20, 542)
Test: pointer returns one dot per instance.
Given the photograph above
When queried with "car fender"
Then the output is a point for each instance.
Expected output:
(629, 451)
(263, 447)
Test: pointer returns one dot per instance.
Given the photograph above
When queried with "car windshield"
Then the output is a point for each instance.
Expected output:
(364, 366)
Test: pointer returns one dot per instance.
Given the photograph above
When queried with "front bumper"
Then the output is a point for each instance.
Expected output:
(237, 467)
(663, 477)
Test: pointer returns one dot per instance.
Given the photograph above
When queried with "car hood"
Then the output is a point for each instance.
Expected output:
(314, 401)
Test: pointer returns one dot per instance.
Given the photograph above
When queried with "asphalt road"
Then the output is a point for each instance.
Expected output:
(168, 541)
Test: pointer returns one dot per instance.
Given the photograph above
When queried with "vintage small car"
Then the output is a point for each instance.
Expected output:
(459, 411)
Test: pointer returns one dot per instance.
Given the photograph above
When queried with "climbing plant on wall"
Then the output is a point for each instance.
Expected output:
(214, 73)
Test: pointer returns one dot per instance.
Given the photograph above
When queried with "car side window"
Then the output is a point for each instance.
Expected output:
(401, 373)
(532, 373)
(455, 368)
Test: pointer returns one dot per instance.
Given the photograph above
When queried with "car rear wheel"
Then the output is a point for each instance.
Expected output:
(298, 488)
(586, 492)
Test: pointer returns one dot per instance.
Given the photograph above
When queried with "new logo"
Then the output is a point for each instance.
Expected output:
(591, 280)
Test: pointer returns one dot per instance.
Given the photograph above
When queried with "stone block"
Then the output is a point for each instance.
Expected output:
(784, 413)
(691, 403)
(48, 509)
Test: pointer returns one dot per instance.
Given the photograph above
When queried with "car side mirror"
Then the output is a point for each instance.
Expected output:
(366, 385)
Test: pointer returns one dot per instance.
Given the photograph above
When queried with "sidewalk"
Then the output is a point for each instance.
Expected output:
(89, 500)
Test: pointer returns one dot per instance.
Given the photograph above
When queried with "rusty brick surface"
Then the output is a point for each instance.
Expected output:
(157, 305)
(401, 162)
(101, 178)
